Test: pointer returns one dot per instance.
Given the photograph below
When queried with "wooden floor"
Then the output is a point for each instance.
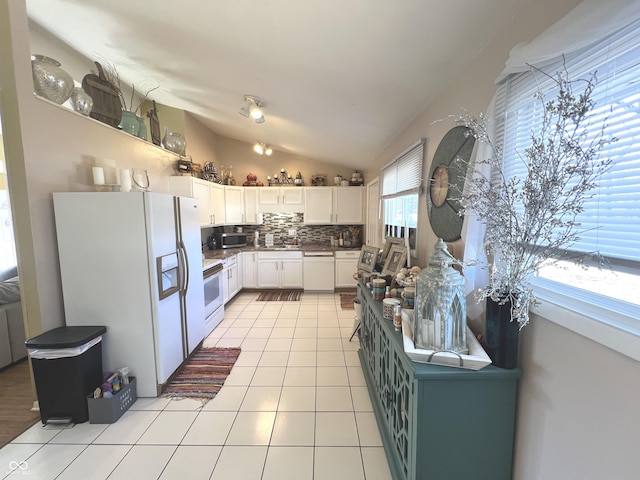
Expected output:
(16, 401)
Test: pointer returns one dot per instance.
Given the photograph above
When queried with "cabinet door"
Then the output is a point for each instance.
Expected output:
(348, 205)
(268, 196)
(401, 416)
(234, 205)
(251, 215)
(195, 188)
(233, 279)
(225, 282)
(292, 196)
(268, 273)
(249, 270)
(201, 192)
(318, 206)
(291, 273)
(216, 202)
(346, 266)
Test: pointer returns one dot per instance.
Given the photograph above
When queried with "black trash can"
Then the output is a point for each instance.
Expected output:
(67, 367)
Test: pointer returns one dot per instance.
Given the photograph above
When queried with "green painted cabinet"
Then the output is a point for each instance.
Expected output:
(436, 422)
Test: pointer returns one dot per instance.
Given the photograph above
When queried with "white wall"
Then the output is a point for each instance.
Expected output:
(577, 415)
(49, 148)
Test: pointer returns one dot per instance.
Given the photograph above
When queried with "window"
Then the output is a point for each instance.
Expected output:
(401, 182)
(7, 245)
(611, 219)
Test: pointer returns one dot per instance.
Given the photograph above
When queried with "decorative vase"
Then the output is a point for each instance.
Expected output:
(129, 123)
(49, 80)
(142, 130)
(81, 101)
(501, 335)
(174, 142)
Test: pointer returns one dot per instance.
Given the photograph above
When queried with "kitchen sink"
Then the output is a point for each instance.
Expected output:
(284, 247)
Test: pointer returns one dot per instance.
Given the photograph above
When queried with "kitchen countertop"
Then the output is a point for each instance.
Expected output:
(211, 256)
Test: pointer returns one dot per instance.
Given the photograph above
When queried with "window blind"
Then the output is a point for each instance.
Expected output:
(403, 176)
(610, 222)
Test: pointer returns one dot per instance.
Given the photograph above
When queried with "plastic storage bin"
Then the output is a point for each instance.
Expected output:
(67, 366)
(109, 410)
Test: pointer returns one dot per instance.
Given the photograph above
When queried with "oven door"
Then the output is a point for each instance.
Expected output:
(212, 289)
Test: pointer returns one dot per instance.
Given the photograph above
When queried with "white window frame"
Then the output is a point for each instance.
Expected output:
(402, 177)
(610, 322)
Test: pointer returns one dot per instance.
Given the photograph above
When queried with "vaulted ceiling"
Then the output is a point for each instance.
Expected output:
(340, 78)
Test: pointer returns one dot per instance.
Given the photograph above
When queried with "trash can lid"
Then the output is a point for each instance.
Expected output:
(64, 337)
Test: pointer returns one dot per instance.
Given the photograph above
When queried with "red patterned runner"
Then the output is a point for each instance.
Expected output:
(204, 374)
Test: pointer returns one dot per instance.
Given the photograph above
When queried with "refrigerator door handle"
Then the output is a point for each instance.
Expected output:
(185, 266)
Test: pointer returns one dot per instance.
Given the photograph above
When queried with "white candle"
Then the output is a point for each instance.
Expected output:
(98, 176)
(125, 180)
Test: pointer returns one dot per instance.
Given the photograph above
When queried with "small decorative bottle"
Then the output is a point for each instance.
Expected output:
(397, 317)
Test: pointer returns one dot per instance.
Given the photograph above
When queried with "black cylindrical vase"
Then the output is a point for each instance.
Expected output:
(501, 335)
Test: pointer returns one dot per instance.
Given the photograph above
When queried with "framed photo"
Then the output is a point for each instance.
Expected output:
(396, 259)
(368, 257)
(391, 241)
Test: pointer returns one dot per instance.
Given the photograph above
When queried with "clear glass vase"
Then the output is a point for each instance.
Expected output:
(50, 80)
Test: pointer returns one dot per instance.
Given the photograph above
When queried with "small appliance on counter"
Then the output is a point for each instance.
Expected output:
(229, 239)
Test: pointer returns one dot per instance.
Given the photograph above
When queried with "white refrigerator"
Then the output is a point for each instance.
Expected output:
(133, 263)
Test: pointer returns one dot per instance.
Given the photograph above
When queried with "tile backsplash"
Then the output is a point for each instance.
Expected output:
(279, 225)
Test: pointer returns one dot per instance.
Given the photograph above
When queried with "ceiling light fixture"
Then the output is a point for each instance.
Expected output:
(253, 108)
(262, 148)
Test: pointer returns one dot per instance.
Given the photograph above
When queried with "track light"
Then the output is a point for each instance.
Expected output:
(253, 108)
(262, 148)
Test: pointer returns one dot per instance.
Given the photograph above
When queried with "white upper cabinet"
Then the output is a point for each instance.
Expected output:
(251, 214)
(217, 203)
(210, 198)
(280, 199)
(234, 205)
(333, 205)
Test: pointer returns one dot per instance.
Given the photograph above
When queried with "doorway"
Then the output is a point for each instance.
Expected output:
(16, 390)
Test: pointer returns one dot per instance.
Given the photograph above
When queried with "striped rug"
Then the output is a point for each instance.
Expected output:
(282, 296)
(346, 300)
(204, 374)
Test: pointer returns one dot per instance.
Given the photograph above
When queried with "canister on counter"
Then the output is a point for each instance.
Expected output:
(408, 295)
(388, 305)
(379, 285)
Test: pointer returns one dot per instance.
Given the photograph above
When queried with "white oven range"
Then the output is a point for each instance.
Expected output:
(213, 299)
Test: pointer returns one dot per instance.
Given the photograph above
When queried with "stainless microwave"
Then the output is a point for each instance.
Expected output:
(231, 239)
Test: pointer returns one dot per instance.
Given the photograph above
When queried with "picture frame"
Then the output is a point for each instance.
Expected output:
(395, 261)
(368, 258)
(391, 241)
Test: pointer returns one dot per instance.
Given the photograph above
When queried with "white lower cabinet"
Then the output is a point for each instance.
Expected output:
(231, 279)
(346, 266)
(280, 269)
(249, 270)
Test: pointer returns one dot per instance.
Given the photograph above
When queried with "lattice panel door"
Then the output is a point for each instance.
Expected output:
(400, 413)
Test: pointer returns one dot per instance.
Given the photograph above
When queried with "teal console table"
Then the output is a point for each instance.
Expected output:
(436, 422)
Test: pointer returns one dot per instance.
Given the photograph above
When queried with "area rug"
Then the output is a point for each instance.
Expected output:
(204, 374)
(283, 296)
(346, 300)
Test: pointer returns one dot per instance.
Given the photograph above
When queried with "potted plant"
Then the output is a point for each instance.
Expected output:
(531, 219)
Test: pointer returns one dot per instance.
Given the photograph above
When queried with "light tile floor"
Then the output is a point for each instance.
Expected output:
(294, 407)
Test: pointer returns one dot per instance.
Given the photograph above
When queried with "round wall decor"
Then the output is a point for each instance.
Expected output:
(446, 181)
